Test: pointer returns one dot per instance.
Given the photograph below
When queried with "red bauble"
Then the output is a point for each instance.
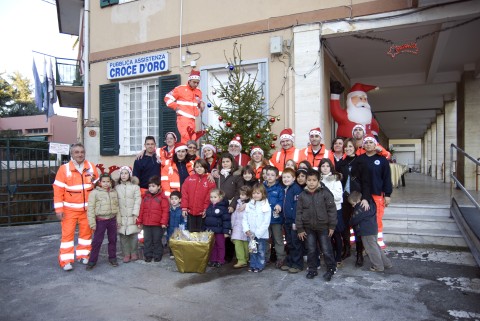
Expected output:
(272, 120)
(272, 145)
(229, 124)
(275, 137)
(258, 135)
(220, 118)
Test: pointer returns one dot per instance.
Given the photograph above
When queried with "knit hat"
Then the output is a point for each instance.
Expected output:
(287, 133)
(315, 131)
(369, 138)
(194, 75)
(180, 146)
(237, 140)
(127, 168)
(256, 149)
(359, 126)
(209, 146)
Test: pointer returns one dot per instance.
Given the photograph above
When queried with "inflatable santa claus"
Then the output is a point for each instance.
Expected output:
(358, 109)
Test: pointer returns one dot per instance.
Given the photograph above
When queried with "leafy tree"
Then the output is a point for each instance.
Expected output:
(241, 110)
(16, 97)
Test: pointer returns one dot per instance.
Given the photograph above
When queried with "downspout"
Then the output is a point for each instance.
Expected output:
(180, 65)
(86, 58)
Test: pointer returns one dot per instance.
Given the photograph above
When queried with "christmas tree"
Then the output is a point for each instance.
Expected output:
(241, 110)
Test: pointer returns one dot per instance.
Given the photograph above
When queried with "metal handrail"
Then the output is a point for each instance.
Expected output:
(454, 179)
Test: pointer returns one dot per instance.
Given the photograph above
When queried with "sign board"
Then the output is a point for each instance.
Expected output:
(141, 65)
(57, 148)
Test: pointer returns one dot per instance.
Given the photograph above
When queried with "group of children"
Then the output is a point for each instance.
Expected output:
(303, 206)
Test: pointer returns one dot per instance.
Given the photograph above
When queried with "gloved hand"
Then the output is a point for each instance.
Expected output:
(336, 87)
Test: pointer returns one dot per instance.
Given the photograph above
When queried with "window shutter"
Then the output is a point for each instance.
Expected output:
(106, 3)
(109, 132)
(168, 117)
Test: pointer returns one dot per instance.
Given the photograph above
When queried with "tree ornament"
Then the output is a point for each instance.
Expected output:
(278, 118)
(272, 145)
(267, 130)
(229, 124)
(275, 137)
(209, 105)
(236, 98)
(263, 97)
(258, 135)
(214, 92)
(251, 143)
(231, 67)
(272, 120)
(220, 118)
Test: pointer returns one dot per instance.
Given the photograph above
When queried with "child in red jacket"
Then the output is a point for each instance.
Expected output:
(154, 214)
(196, 195)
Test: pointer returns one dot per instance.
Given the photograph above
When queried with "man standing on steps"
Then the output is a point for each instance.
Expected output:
(381, 181)
(73, 184)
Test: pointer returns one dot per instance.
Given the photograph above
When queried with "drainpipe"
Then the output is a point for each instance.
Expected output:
(86, 58)
(180, 45)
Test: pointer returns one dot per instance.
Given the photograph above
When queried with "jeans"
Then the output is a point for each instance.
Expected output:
(257, 260)
(295, 248)
(321, 236)
(153, 247)
(110, 226)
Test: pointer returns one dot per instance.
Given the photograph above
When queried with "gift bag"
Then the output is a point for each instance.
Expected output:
(191, 250)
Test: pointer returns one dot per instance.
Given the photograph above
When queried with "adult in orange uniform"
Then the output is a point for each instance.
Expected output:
(315, 151)
(73, 183)
(288, 151)
(186, 101)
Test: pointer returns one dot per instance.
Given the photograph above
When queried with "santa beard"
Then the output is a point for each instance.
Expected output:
(360, 113)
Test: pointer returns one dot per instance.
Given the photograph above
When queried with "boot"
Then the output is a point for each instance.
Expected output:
(359, 261)
(126, 259)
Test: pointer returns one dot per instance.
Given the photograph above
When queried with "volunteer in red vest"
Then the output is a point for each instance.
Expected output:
(288, 151)
(357, 112)
(235, 149)
(186, 101)
(177, 170)
(358, 134)
(315, 151)
(73, 183)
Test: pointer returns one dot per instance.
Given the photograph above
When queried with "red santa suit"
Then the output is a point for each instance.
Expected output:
(241, 159)
(185, 100)
(360, 114)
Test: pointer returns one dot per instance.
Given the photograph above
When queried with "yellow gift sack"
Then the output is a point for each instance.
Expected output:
(191, 250)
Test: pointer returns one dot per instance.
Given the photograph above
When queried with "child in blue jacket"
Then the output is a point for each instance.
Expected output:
(275, 196)
(176, 219)
(218, 220)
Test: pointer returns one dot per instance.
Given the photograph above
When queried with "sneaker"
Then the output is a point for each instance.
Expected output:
(257, 270)
(113, 262)
(90, 266)
(339, 264)
(373, 269)
(311, 274)
(126, 259)
(239, 265)
(157, 259)
(294, 270)
(328, 275)
(211, 264)
(285, 268)
(148, 259)
(68, 267)
(83, 261)
(172, 257)
(217, 264)
(134, 257)
(251, 270)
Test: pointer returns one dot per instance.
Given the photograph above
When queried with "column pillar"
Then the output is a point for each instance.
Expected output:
(472, 128)
(450, 135)
(440, 147)
(429, 166)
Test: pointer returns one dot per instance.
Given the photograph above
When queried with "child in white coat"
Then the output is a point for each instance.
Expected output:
(333, 181)
(239, 238)
(256, 221)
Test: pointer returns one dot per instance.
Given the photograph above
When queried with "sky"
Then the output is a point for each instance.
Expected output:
(32, 25)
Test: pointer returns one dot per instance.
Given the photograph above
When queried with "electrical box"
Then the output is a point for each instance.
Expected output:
(276, 45)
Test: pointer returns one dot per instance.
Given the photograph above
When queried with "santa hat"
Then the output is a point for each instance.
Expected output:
(315, 131)
(209, 146)
(256, 149)
(180, 146)
(369, 138)
(360, 89)
(173, 134)
(359, 126)
(127, 168)
(237, 140)
(194, 75)
(287, 133)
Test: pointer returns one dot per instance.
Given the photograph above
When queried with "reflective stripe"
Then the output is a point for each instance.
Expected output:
(325, 155)
(75, 205)
(380, 235)
(66, 245)
(352, 238)
(78, 187)
(82, 252)
(59, 184)
(166, 194)
(175, 184)
(296, 154)
(67, 256)
(58, 205)
(170, 100)
(164, 178)
(67, 169)
(84, 241)
(187, 103)
(278, 157)
(140, 235)
(185, 114)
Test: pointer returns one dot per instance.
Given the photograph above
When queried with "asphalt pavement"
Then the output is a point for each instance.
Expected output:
(424, 284)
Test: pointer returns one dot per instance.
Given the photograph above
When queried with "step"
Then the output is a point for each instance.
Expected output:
(418, 209)
(420, 222)
(430, 237)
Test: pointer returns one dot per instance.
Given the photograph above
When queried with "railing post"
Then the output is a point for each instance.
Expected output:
(451, 172)
(8, 182)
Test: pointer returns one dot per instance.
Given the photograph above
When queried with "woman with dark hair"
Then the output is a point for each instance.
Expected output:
(305, 165)
(209, 153)
(337, 148)
(175, 172)
(257, 161)
(356, 177)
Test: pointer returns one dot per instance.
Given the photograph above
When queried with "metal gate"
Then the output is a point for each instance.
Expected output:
(26, 177)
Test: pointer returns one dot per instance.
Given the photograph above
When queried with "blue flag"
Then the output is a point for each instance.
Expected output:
(52, 93)
(38, 88)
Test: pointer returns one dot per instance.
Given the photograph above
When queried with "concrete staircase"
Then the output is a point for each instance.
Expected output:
(421, 224)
